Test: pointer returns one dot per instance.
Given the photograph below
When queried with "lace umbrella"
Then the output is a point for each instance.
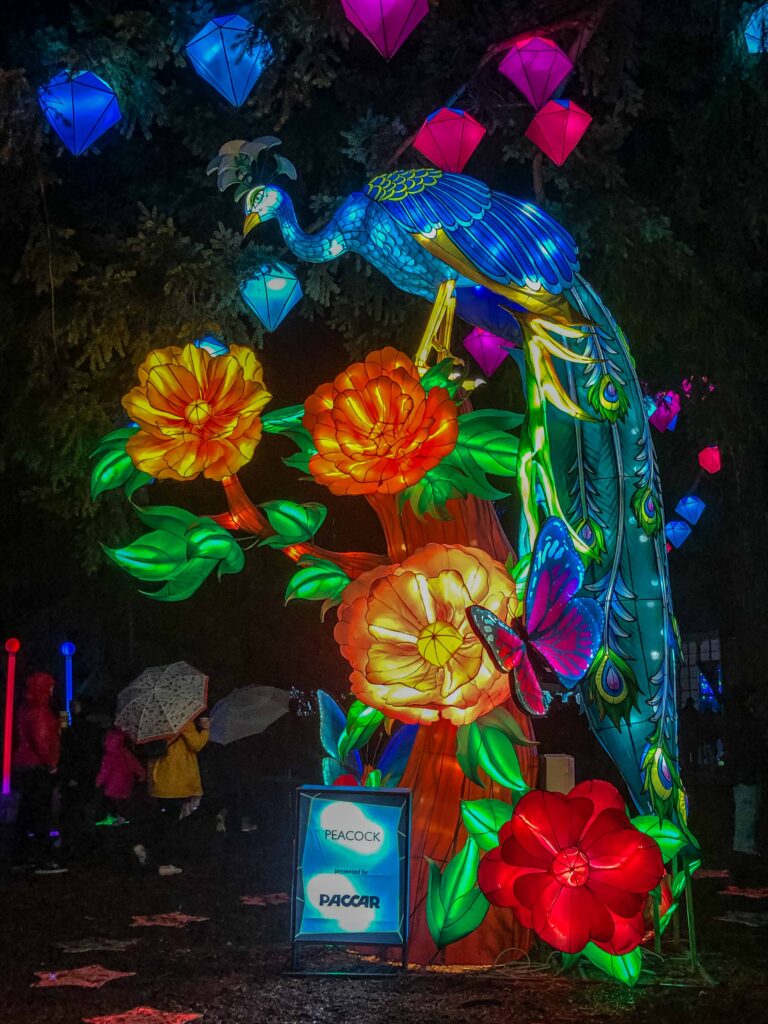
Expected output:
(159, 703)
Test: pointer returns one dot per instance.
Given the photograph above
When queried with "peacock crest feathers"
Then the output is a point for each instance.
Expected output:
(612, 686)
(249, 164)
(398, 185)
(608, 398)
(647, 509)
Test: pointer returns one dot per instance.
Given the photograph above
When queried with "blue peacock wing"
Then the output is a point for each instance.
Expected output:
(507, 240)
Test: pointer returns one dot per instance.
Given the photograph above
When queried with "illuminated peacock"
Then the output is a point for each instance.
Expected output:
(585, 448)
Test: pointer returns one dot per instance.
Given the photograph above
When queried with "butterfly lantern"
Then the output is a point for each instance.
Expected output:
(558, 634)
(349, 770)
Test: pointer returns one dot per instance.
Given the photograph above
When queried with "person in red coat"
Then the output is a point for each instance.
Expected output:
(35, 762)
(119, 769)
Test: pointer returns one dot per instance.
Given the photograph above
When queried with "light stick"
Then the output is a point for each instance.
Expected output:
(12, 645)
(68, 649)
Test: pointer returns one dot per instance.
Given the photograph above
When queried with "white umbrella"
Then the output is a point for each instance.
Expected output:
(159, 703)
(247, 712)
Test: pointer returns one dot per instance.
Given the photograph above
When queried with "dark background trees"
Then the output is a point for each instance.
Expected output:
(130, 247)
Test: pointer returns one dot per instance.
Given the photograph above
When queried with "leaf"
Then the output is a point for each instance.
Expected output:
(455, 904)
(494, 419)
(439, 376)
(154, 557)
(492, 450)
(362, 722)
(319, 580)
(624, 969)
(670, 838)
(279, 420)
(483, 819)
(394, 756)
(114, 441)
(293, 523)
(206, 539)
(502, 719)
(184, 583)
(172, 520)
(489, 743)
(332, 722)
(373, 779)
(135, 481)
(112, 470)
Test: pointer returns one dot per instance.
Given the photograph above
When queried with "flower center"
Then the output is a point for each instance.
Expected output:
(198, 412)
(438, 642)
(571, 867)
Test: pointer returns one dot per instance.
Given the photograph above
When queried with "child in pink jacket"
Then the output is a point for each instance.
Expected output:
(118, 770)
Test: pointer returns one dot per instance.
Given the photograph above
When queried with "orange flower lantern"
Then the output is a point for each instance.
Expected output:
(404, 630)
(375, 427)
(197, 412)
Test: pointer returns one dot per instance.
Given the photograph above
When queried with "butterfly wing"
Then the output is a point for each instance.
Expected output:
(528, 692)
(332, 724)
(395, 755)
(564, 630)
(501, 641)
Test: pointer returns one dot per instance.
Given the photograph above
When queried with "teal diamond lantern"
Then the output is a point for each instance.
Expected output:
(227, 59)
(271, 293)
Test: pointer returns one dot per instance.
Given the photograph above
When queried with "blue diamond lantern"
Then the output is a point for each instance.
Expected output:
(271, 293)
(79, 107)
(690, 509)
(677, 532)
(220, 54)
(756, 31)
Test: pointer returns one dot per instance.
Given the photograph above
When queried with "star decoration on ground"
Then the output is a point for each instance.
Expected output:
(93, 976)
(173, 920)
(270, 899)
(144, 1015)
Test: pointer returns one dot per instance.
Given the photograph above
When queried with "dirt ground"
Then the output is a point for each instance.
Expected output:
(231, 967)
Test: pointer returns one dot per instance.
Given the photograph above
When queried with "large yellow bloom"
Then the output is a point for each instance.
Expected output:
(405, 632)
(197, 413)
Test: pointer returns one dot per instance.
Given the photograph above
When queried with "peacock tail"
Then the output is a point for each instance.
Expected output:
(606, 474)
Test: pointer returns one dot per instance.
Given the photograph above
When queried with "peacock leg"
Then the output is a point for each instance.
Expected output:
(437, 334)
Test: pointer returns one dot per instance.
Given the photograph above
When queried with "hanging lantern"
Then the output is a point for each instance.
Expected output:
(385, 23)
(557, 128)
(448, 138)
(690, 509)
(536, 66)
(79, 108)
(221, 54)
(677, 532)
(271, 293)
(488, 350)
(756, 31)
(667, 411)
(709, 459)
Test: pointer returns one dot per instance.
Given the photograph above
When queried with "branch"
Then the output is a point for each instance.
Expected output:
(244, 515)
(586, 25)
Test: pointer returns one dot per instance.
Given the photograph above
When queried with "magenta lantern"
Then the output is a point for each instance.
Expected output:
(536, 66)
(709, 459)
(667, 411)
(557, 128)
(448, 138)
(488, 350)
(386, 23)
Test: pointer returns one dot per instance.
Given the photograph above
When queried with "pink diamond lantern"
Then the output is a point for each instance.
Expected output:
(667, 410)
(557, 128)
(448, 138)
(709, 459)
(536, 66)
(488, 350)
(385, 23)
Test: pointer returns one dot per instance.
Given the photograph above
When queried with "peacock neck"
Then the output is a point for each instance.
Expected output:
(323, 245)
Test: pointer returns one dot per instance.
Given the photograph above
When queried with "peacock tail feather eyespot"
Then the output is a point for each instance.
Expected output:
(647, 509)
(592, 536)
(612, 686)
(608, 398)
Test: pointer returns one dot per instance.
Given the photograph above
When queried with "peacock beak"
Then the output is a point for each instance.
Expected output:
(250, 223)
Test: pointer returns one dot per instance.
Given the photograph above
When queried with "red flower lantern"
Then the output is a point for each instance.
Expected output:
(448, 138)
(557, 128)
(574, 869)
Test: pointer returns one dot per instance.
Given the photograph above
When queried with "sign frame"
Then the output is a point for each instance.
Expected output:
(358, 796)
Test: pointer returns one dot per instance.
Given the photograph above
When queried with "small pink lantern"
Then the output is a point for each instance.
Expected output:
(448, 138)
(385, 23)
(536, 66)
(488, 350)
(557, 128)
(667, 411)
(709, 459)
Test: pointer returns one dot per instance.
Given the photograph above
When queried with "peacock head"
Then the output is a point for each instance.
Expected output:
(262, 203)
